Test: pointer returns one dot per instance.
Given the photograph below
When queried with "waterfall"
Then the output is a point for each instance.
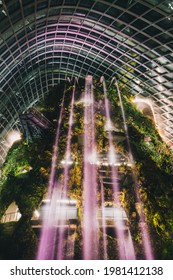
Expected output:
(119, 223)
(103, 222)
(58, 235)
(60, 249)
(47, 232)
(51, 245)
(90, 223)
(142, 224)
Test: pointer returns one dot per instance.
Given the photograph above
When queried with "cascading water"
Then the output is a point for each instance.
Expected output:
(52, 215)
(70, 243)
(103, 222)
(55, 151)
(90, 223)
(51, 244)
(119, 223)
(60, 251)
(142, 225)
(58, 236)
(48, 232)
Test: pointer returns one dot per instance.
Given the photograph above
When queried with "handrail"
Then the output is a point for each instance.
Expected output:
(10, 217)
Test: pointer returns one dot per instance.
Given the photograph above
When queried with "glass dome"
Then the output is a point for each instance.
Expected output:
(44, 42)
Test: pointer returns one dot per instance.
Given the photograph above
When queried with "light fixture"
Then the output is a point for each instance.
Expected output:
(109, 126)
(36, 214)
(13, 136)
(66, 162)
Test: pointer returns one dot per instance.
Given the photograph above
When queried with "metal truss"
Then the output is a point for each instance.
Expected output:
(43, 42)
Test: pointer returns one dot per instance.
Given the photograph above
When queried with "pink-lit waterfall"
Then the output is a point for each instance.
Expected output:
(70, 243)
(58, 235)
(89, 223)
(119, 223)
(51, 244)
(55, 151)
(60, 251)
(142, 224)
(103, 222)
(48, 232)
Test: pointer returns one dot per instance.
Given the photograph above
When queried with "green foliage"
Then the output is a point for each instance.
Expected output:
(25, 174)
(26, 171)
(15, 160)
(154, 170)
(17, 240)
(6, 232)
(24, 240)
(78, 244)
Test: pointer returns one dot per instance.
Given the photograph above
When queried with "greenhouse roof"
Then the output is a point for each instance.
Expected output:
(43, 42)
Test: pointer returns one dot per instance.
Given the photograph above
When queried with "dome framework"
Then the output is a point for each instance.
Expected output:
(44, 42)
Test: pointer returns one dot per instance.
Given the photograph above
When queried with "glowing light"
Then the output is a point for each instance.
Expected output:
(137, 81)
(89, 79)
(86, 101)
(36, 214)
(138, 88)
(160, 69)
(25, 170)
(117, 164)
(101, 79)
(4, 12)
(66, 162)
(111, 155)
(63, 201)
(109, 126)
(147, 139)
(13, 136)
(92, 158)
(160, 87)
(160, 79)
(171, 5)
(148, 102)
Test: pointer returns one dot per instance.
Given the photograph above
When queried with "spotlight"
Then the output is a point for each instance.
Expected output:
(13, 136)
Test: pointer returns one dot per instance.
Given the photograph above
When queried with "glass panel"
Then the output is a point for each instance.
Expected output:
(166, 23)
(55, 3)
(71, 2)
(128, 18)
(140, 24)
(14, 7)
(28, 10)
(16, 17)
(153, 16)
(42, 5)
(26, 2)
(88, 3)
(100, 7)
(138, 9)
(152, 31)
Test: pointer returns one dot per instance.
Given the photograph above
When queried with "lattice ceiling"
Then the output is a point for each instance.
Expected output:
(43, 42)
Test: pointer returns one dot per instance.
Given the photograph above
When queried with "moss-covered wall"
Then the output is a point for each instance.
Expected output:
(153, 168)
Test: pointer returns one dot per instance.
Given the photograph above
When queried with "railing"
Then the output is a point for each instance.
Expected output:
(67, 213)
(70, 213)
(11, 217)
(111, 213)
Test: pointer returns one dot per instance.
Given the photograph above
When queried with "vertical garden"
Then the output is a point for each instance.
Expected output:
(26, 171)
